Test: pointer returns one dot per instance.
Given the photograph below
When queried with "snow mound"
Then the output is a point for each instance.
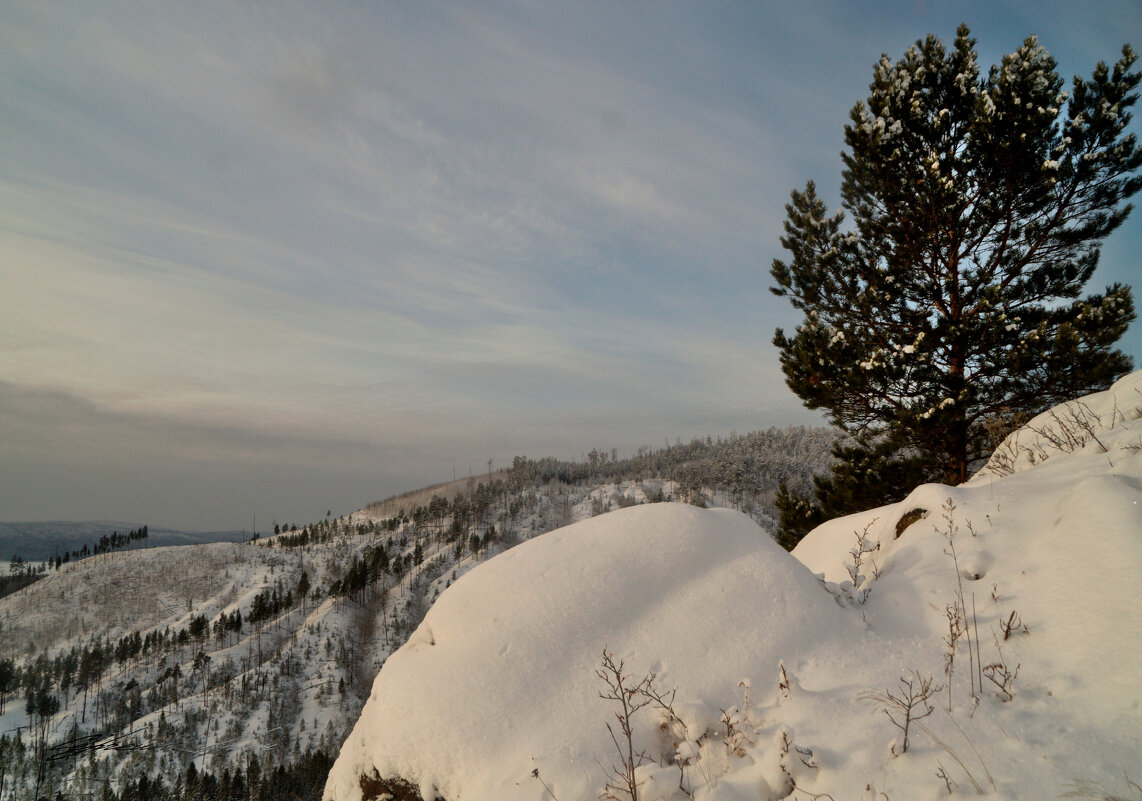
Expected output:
(785, 665)
(499, 680)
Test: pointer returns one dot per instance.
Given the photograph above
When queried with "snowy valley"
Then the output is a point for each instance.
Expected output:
(237, 669)
(263, 260)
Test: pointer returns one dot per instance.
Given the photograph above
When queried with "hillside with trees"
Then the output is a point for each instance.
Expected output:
(235, 669)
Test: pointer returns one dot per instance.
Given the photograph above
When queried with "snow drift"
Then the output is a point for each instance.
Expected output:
(784, 666)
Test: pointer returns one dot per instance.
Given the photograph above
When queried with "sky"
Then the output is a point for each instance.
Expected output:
(263, 261)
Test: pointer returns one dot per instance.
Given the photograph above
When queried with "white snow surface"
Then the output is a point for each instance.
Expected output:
(500, 679)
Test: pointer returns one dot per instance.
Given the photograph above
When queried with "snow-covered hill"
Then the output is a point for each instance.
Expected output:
(137, 666)
(976, 640)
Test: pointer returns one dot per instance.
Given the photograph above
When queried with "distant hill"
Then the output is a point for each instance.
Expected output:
(37, 541)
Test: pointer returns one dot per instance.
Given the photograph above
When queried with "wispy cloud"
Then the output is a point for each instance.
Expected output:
(379, 241)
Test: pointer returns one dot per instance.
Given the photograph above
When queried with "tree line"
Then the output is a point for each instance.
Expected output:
(302, 778)
(21, 572)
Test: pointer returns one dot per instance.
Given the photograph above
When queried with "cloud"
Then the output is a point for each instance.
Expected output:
(423, 235)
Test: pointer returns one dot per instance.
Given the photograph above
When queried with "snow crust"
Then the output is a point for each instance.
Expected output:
(777, 659)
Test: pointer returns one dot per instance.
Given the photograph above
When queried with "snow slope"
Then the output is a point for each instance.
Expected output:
(783, 664)
(288, 671)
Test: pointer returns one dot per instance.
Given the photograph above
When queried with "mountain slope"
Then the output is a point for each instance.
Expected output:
(787, 684)
(172, 663)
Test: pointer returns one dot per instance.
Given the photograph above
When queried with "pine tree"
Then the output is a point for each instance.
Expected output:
(865, 475)
(8, 678)
(952, 303)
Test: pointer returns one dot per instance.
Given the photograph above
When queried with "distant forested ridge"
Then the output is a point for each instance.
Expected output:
(39, 541)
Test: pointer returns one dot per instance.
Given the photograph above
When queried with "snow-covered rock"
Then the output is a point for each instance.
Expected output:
(783, 664)
(500, 678)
